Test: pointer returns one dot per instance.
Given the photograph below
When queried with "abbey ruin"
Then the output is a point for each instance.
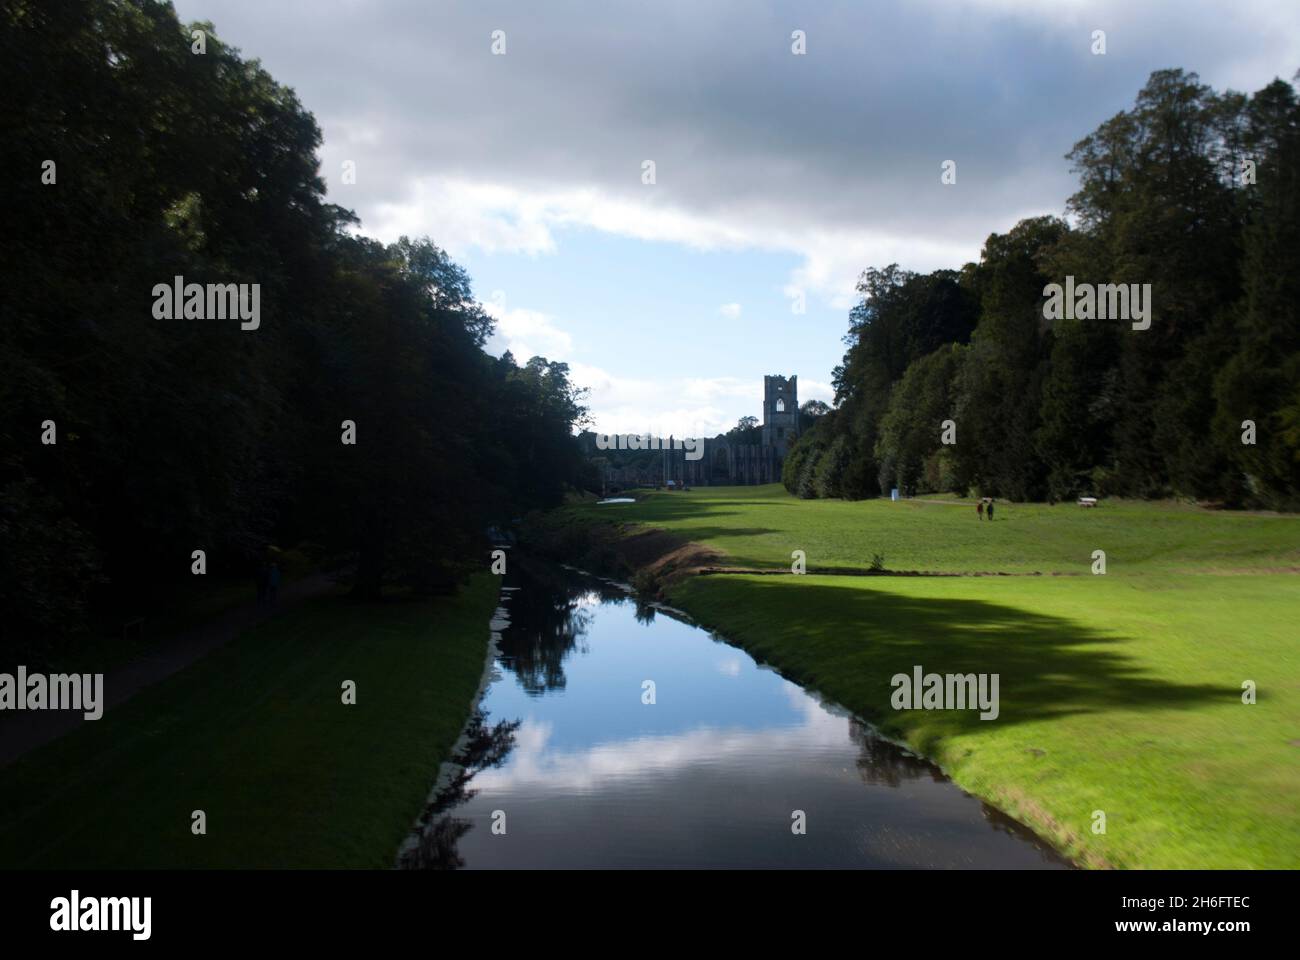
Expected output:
(724, 462)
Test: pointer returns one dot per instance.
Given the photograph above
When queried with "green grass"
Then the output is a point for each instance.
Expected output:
(1119, 693)
(256, 736)
(762, 526)
(1115, 695)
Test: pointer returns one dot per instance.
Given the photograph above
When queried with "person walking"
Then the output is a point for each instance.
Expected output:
(273, 583)
(990, 509)
(979, 509)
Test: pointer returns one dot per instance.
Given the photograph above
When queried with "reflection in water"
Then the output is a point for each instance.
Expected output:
(438, 830)
(548, 619)
(589, 775)
(881, 763)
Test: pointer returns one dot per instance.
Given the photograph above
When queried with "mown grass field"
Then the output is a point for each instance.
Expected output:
(761, 526)
(1120, 693)
(257, 737)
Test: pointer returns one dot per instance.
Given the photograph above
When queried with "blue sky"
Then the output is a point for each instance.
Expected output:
(694, 329)
(776, 174)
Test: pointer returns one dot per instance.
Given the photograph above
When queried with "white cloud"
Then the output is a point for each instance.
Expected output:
(729, 667)
(463, 214)
(833, 156)
(526, 334)
(496, 218)
(535, 762)
(674, 406)
(679, 407)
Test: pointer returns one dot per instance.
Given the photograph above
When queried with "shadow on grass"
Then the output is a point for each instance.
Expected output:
(848, 641)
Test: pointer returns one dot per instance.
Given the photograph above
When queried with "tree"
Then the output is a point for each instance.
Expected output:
(184, 433)
(911, 430)
(996, 401)
(1059, 407)
(746, 430)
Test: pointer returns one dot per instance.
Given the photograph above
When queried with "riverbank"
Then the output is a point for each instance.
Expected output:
(257, 736)
(1120, 693)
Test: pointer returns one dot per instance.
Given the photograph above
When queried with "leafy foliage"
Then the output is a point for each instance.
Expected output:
(1052, 409)
(175, 435)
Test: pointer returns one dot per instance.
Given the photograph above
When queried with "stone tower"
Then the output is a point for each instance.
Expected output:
(780, 412)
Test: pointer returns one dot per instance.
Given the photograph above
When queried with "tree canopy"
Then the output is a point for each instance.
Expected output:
(131, 160)
(1190, 191)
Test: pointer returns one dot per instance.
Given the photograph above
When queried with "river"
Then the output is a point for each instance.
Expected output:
(570, 764)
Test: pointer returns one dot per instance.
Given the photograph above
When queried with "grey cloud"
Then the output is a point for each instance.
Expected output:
(849, 136)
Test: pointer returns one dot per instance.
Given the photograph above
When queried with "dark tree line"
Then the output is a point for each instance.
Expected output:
(1194, 192)
(184, 434)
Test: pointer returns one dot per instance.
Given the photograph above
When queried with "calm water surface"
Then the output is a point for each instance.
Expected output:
(587, 775)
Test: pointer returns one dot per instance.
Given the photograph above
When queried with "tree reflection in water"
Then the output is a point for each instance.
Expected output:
(549, 616)
(883, 763)
(550, 611)
(438, 830)
(645, 613)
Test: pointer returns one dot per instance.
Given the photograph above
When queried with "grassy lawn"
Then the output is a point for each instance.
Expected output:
(1115, 696)
(1119, 693)
(256, 736)
(761, 526)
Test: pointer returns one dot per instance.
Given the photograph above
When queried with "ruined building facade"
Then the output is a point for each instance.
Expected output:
(726, 463)
(780, 414)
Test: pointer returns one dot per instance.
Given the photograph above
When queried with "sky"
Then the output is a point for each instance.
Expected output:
(778, 177)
